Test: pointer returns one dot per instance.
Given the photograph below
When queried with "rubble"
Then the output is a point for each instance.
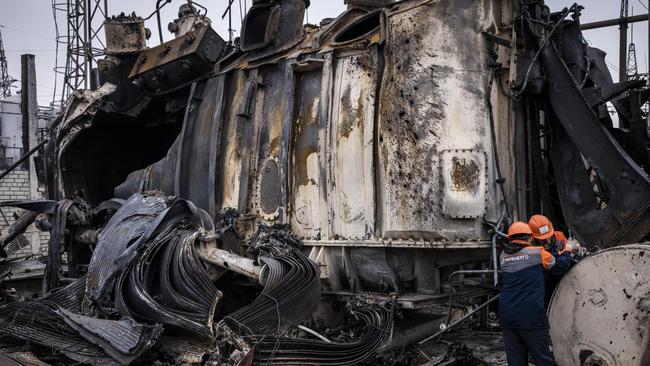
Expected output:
(146, 278)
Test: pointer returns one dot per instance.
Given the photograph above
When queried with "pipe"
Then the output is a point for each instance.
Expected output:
(613, 22)
(157, 12)
(447, 328)
(495, 263)
(495, 150)
(495, 229)
(231, 261)
(451, 289)
(160, 36)
(314, 333)
(399, 340)
(22, 158)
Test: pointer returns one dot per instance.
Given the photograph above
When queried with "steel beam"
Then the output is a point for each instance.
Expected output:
(613, 22)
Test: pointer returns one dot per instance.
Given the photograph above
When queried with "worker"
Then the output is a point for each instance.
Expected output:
(554, 242)
(524, 322)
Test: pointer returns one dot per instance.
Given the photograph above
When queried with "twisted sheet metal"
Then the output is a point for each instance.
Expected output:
(165, 281)
(187, 350)
(82, 338)
(128, 224)
(69, 297)
(291, 288)
(149, 248)
(295, 351)
(123, 340)
(40, 322)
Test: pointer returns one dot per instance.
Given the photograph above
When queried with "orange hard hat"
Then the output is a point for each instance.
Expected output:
(541, 226)
(518, 228)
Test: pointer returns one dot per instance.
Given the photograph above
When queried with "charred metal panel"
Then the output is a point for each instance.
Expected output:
(179, 61)
(269, 145)
(376, 269)
(306, 161)
(195, 177)
(272, 23)
(464, 180)
(352, 186)
(78, 114)
(235, 131)
(432, 99)
(122, 230)
(270, 195)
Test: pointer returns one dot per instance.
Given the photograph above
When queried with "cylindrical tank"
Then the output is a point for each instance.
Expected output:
(125, 34)
(600, 312)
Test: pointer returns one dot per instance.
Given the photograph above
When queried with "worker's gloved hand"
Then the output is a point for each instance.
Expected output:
(578, 253)
(576, 249)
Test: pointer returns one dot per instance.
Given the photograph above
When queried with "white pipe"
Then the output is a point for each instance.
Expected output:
(231, 261)
(313, 332)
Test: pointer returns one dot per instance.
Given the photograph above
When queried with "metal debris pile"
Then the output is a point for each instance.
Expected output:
(149, 298)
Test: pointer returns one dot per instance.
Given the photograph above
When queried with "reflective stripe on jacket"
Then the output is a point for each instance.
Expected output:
(521, 305)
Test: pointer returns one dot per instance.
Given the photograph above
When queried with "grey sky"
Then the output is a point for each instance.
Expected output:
(29, 28)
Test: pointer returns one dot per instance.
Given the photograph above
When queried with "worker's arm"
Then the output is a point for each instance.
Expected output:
(562, 262)
(548, 260)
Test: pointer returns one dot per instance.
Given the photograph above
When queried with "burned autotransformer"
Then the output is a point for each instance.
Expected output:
(387, 147)
(396, 142)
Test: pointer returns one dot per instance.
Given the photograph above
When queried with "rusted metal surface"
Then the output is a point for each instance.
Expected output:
(307, 179)
(125, 34)
(352, 117)
(432, 101)
(322, 150)
(600, 312)
(178, 61)
(465, 183)
(269, 25)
